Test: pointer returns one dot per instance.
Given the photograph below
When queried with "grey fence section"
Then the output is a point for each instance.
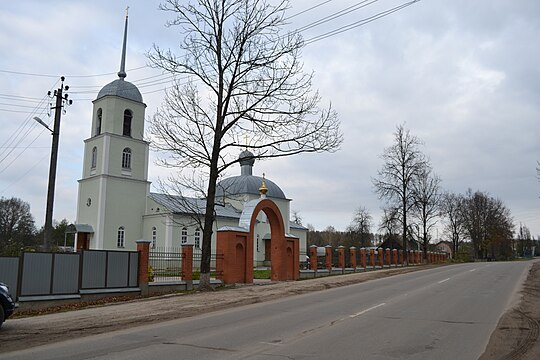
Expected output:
(44, 274)
(36, 276)
(49, 274)
(133, 269)
(65, 274)
(9, 273)
(94, 266)
(103, 269)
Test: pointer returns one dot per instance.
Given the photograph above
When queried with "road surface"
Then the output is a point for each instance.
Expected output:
(441, 313)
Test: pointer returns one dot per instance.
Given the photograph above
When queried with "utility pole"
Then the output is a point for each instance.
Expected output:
(61, 101)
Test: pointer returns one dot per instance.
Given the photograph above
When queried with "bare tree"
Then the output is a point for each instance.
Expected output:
(403, 164)
(427, 200)
(361, 225)
(296, 217)
(236, 74)
(524, 241)
(390, 222)
(451, 207)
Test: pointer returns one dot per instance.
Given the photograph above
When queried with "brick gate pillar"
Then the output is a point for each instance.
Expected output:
(143, 247)
(352, 257)
(313, 257)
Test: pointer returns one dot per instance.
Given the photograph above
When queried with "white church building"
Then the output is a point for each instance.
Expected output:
(115, 206)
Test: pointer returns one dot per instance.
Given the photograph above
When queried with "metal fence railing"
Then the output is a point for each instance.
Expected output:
(197, 258)
(165, 263)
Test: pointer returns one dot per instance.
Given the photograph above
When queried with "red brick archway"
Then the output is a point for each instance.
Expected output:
(284, 250)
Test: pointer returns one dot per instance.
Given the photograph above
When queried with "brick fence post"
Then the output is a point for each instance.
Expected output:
(363, 258)
(372, 258)
(143, 247)
(394, 257)
(388, 256)
(328, 257)
(380, 252)
(187, 265)
(352, 257)
(313, 257)
(341, 257)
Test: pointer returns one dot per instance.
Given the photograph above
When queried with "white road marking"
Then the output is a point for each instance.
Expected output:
(472, 270)
(366, 310)
(445, 280)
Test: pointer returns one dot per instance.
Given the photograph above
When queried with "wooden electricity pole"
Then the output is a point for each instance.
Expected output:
(61, 101)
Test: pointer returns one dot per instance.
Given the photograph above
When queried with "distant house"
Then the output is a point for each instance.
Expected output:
(445, 246)
(396, 244)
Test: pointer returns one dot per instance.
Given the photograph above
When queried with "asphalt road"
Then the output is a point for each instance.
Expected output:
(441, 313)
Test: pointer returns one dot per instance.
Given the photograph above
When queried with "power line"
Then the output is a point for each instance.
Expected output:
(360, 22)
(70, 76)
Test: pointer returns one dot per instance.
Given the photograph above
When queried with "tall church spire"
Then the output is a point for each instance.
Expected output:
(122, 73)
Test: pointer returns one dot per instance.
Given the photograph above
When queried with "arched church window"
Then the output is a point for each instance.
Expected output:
(94, 157)
(197, 238)
(184, 236)
(154, 237)
(127, 123)
(120, 241)
(98, 121)
(126, 158)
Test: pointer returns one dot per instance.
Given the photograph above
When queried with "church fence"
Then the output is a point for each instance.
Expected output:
(165, 263)
(36, 275)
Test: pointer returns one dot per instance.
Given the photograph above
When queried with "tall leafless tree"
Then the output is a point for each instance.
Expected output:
(451, 207)
(237, 74)
(361, 225)
(427, 201)
(390, 223)
(403, 163)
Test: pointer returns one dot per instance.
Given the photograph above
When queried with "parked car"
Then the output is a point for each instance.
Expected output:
(6, 302)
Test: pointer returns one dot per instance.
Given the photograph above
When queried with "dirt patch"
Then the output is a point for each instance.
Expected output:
(516, 335)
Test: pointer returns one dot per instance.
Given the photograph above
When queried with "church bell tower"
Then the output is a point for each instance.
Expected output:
(114, 185)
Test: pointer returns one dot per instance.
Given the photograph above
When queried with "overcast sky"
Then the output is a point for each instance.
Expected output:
(462, 75)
